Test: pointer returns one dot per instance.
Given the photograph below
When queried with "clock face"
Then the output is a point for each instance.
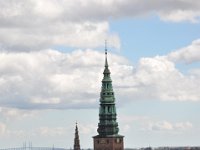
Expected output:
(102, 141)
(118, 140)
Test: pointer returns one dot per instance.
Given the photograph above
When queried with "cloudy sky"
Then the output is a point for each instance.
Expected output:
(51, 64)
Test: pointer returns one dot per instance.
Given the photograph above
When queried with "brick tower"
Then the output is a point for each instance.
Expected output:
(108, 137)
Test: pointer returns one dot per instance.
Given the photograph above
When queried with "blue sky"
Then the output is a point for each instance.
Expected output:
(52, 58)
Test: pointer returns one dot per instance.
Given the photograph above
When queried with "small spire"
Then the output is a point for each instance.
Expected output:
(76, 139)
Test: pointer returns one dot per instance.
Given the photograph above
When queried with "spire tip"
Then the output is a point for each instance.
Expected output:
(106, 47)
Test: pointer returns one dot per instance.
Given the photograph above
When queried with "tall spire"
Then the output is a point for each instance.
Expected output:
(76, 139)
(108, 137)
(107, 112)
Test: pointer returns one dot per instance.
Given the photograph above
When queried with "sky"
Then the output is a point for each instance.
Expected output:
(52, 60)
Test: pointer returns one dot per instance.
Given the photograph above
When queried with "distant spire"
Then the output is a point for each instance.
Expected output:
(76, 139)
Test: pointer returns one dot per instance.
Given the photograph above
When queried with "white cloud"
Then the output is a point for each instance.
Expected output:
(34, 24)
(181, 15)
(2, 128)
(87, 34)
(164, 125)
(154, 78)
(168, 126)
(87, 129)
(38, 100)
(5, 132)
(129, 119)
(52, 79)
(183, 126)
(126, 128)
(52, 132)
(194, 72)
(14, 113)
(187, 54)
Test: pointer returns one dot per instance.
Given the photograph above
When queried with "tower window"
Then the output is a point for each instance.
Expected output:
(108, 108)
(107, 141)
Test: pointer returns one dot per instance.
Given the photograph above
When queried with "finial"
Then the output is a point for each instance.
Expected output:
(106, 47)
(106, 62)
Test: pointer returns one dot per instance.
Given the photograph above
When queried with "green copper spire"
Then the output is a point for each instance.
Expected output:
(107, 112)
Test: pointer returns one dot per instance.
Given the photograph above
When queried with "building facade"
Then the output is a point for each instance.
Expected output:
(108, 137)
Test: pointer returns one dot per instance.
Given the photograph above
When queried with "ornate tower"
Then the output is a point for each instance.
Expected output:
(108, 137)
(76, 139)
